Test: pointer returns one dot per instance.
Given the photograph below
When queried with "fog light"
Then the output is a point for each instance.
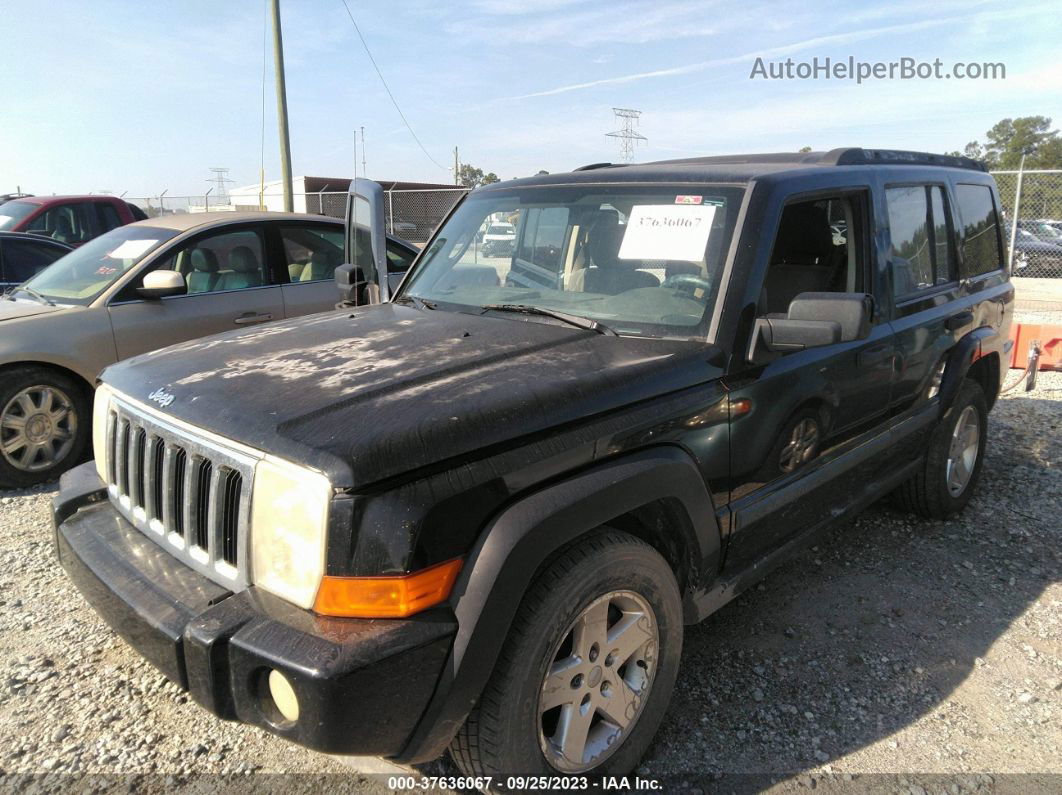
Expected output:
(283, 696)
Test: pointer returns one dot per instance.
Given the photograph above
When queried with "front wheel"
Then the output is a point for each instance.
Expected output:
(44, 426)
(587, 671)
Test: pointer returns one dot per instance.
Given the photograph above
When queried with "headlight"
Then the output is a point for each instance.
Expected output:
(101, 409)
(289, 517)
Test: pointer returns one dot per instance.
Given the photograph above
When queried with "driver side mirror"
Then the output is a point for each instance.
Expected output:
(162, 284)
(813, 320)
(355, 287)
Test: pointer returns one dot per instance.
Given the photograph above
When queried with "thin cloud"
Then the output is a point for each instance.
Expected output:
(773, 52)
(787, 49)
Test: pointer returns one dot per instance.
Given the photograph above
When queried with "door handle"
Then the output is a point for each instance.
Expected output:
(956, 322)
(874, 356)
(251, 317)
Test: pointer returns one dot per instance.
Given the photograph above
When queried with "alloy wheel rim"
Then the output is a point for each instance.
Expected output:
(962, 452)
(801, 446)
(598, 681)
(37, 428)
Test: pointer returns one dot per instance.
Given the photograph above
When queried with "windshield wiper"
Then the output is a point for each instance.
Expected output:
(420, 303)
(572, 320)
(35, 294)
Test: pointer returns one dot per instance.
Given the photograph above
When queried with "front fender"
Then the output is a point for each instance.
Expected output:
(521, 538)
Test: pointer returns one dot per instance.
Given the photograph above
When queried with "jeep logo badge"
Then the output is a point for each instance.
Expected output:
(162, 397)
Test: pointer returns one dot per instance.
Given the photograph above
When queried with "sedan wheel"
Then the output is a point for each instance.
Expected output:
(38, 427)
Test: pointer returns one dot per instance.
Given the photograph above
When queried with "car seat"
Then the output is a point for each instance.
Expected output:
(204, 275)
(244, 270)
(803, 259)
(608, 273)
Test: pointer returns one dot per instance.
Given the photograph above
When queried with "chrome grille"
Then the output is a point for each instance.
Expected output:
(189, 493)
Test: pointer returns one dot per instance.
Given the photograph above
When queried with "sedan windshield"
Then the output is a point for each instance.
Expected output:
(11, 213)
(84, 273)
(644, 261)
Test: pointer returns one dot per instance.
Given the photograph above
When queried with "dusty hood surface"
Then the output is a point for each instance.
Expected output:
(374, 393)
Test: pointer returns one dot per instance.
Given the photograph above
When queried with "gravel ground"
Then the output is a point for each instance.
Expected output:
(900, 655)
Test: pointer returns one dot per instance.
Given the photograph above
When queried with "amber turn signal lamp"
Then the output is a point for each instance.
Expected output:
(387, 597)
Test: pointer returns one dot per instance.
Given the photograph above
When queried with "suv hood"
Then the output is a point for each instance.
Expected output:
(384, 390)
(9, 310)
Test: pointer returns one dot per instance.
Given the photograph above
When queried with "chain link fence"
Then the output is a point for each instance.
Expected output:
(1038, 245)
(411, 214)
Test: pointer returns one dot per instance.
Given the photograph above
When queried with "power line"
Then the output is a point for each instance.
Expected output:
(387, 89)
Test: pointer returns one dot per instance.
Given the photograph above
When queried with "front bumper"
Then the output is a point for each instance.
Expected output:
(362, 685)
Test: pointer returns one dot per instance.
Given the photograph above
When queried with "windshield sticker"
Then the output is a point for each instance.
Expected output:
(689, 199)
(5, 218)
(663, 231)
(131, 249)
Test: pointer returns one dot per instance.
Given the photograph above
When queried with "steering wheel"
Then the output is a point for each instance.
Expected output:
(688, 284)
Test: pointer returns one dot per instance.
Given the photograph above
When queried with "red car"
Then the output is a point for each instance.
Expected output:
(68, 219)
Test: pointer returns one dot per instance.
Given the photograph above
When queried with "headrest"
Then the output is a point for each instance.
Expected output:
(604, 241)
(63, 225)
(243, 260)
(804, 233)
(204, 260)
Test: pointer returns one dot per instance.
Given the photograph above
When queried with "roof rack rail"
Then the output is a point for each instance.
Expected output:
(849, 156)
(592, 166)
(844, 156)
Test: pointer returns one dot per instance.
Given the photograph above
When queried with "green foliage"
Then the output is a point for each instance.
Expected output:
(1009, 139)
(472, 177)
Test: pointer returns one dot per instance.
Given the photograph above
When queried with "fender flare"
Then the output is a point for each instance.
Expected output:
(957, 363)
(519, 539)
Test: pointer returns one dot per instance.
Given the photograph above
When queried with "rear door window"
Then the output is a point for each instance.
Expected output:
(311, 253)
(109, 218)
(922, 253)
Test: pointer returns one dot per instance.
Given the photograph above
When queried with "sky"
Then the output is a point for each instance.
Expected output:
(142, 96)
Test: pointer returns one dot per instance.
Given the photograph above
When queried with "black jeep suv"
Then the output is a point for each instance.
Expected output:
(477, 516)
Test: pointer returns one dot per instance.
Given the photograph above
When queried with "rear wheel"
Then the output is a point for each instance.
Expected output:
(949, 476)
(44, 426)
(587, 671)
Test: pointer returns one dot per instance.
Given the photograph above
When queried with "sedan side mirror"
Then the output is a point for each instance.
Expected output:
(813, 320)
(162, 284)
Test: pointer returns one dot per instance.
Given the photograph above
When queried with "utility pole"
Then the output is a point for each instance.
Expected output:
(364, 173)
(282, 109)
(457, 169)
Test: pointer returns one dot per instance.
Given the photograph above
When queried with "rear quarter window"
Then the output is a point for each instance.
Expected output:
(982, 250)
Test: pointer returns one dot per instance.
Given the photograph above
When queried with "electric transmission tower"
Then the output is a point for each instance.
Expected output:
(628, 137)
(220, 180)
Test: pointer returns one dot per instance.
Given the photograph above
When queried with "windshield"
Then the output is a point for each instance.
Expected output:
(84, 273)
(644, 261)
(11, 213)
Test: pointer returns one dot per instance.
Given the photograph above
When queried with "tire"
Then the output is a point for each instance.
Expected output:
(934, 492)
(799, 443)
(45, 425)
(507, 734)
